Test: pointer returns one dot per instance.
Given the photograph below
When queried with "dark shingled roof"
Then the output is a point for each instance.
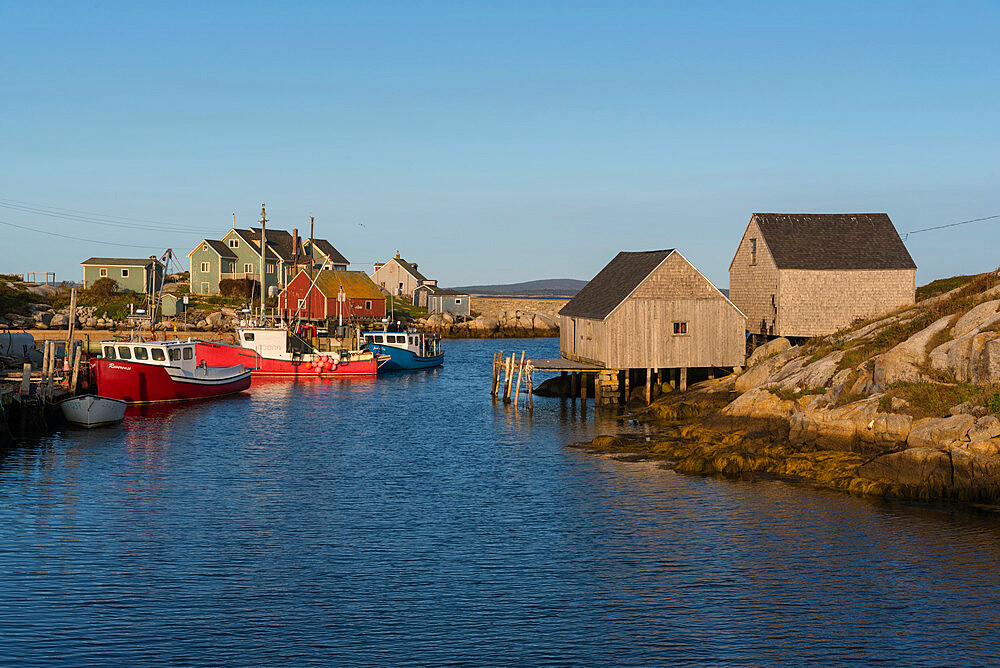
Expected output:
(613, 284)
(222, 249)
(120, 261)
(327, 248)
(833, 241)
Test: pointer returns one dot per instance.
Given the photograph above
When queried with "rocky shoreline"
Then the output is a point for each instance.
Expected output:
(514, 323)
(903, 407)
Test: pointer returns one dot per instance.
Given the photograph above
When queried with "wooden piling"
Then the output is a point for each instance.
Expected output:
(649, 386)
(508, 377)
(520, 371)
(583, 388)
(684, 378)
(26, 379)
(77, 354)
(531, 388)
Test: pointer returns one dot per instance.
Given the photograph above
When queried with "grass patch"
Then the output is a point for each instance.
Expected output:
(405, 305)
(789, 395)
(929, 399)
(942, 285)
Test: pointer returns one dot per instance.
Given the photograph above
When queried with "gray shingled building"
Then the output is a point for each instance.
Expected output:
(808, 274)
(654, 313)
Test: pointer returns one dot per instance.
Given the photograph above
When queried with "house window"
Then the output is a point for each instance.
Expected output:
(248, 268)
(302, 303)
(204, 247)
(458, 300)
(124, 273)
(104, 273)
(270, 267)
(590, 331)
(368, 306)
(204, 267)
(680, 328)
(234, 243)
(753, 251)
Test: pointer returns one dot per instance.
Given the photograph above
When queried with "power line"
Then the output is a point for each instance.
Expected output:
(96, 219)
(66, 236)
(941, 227)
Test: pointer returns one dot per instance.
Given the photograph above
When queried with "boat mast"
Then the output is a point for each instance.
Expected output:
(263, 252)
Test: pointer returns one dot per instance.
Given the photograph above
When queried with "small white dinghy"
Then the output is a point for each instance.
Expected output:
(92, 411)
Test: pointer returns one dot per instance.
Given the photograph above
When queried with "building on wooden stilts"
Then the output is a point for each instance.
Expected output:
(649, 318)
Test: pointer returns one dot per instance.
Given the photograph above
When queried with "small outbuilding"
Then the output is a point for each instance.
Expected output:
(143, 275)
(330, 295)
(653, 313)
(809, 274)
(172, 305)
(446, 300)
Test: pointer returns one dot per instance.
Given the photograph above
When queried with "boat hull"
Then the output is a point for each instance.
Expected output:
(91, 411)
(404, 360)
(137, 383)
(222, 354)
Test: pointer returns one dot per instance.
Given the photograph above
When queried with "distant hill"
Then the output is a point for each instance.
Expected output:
(549, 287)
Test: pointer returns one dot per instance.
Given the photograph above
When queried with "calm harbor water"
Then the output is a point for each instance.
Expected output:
(408, 520)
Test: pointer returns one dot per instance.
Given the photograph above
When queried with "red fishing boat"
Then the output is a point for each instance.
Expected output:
(143, 372)
(276, 351)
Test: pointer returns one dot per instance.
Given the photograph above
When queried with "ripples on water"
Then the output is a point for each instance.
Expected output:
(410, 521)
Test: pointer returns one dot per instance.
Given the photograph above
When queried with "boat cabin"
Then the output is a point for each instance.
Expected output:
(161, 353)
(414, 342)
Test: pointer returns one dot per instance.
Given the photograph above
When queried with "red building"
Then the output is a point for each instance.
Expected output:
(362, 299)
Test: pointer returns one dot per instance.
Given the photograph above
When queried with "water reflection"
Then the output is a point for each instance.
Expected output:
(411, 520)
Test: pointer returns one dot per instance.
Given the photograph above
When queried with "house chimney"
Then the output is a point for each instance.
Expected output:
(397, 255)
(414, 265)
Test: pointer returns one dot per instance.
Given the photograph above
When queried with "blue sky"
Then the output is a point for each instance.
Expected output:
(497, 142)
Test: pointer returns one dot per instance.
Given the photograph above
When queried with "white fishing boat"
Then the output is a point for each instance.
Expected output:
(93, 411)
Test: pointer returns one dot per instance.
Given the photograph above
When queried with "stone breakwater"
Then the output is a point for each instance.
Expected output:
(906, 407)
(506, 324)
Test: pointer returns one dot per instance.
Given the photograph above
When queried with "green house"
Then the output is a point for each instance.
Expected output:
(237, 256)
(143, 275)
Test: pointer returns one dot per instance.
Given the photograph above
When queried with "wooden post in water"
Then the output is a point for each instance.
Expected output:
(46, 361)
(520, 371)
(26, 379)
(531, 388)
(78, 353)
(583, 388)
(649, 386)
(493, 376)
(508, 372)
(684, 378)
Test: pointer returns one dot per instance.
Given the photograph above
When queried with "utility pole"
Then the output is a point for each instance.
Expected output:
(263, 253)
(312, 224)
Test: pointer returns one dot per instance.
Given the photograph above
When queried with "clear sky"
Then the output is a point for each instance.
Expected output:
(496, 141)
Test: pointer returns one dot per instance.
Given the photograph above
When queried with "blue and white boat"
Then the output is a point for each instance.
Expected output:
(406, 350)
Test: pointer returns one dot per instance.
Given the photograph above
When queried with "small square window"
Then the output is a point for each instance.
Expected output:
(124, 273)
(458, 301)
(141, 353)
(158, 355)
(680, 328)
(124, 353)
(204, 247)
(104, 273)
(368, 306)
(248, 269)
(302, 303)
(175, 354)
(205, 267)
(234, 243)
(189, 353)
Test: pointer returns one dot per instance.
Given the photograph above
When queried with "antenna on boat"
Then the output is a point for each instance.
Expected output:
(263, 253)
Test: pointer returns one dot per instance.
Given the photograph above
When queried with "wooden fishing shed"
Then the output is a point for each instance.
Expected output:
(809, 274)
(649, 317)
